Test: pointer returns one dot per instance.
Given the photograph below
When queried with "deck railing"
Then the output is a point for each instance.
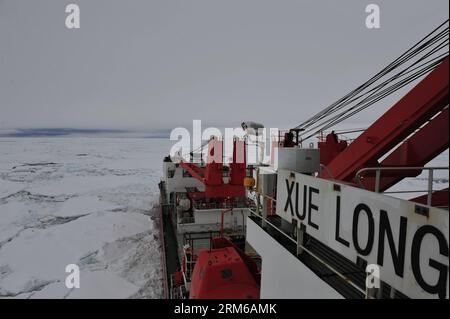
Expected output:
(379, 170)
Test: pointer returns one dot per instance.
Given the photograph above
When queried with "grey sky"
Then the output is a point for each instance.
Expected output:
(155, 64)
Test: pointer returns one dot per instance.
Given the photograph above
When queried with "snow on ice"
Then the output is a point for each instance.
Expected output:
(84, 201)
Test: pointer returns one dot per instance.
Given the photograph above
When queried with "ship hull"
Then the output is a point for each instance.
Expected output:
(169, 244)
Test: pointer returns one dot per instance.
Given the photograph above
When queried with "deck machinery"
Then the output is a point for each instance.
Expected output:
(318, 222)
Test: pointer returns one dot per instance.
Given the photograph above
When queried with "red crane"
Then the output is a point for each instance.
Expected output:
(411, 133)
(212, 175)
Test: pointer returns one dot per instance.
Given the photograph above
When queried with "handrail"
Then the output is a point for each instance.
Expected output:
(326, 170)
(221, 219)
(378, 170)
(309, 252)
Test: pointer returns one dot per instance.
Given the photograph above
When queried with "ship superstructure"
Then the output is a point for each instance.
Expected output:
(205, 210)
(320, 221)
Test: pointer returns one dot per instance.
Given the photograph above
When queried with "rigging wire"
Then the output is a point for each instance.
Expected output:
(378, 93)
(383, 84)
(402, 59)
(364, 96)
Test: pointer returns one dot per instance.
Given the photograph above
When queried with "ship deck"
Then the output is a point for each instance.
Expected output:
(355, 273)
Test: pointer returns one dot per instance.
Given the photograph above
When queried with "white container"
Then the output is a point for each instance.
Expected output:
(301, 160)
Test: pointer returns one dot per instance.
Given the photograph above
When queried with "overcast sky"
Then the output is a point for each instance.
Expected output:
(157, 64)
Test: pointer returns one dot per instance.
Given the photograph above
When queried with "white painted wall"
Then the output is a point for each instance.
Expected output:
(210, 220)
(178, 183)
(283, 275)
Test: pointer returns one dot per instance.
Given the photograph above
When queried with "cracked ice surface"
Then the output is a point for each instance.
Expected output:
(86, 201)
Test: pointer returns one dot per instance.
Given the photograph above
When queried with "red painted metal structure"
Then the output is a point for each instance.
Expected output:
(439, 198)
(212, 175)
(411, 133)
(330, 148)
(224, 272)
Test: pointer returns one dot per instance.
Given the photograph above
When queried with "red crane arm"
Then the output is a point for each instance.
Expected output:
(439, 198)
(194, 170)
(424, 101)
(416, 151)
(212, 175)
